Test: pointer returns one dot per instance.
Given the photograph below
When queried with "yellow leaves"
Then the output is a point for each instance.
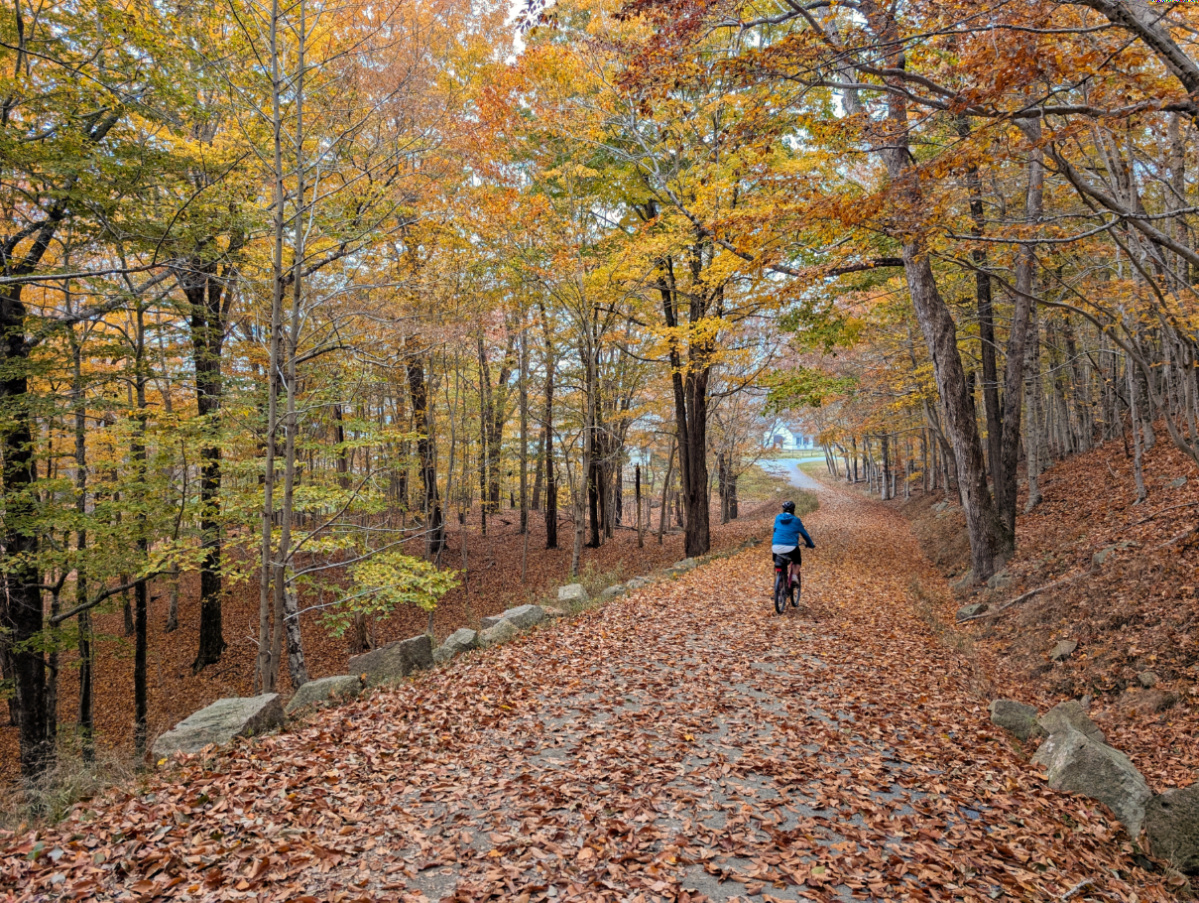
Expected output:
(572, 170)
(697, 344)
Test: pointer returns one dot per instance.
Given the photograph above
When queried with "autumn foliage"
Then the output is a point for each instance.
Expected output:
(325, 321)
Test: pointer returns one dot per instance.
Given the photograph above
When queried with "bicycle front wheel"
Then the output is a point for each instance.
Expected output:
(780, 591)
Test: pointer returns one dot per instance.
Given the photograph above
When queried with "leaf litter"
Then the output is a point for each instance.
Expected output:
(682, 743)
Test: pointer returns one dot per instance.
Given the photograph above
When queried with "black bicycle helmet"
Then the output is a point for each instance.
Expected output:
(789, 507)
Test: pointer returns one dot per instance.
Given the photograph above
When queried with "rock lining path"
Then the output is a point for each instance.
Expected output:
(682, 743)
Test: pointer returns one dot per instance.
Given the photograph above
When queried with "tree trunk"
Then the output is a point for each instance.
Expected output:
(359, 638)
(1013, 396)
(207, 290)
(538, 471)
(21, 616)
(267, 662)
(524, 429)
(986, 317)
(287, 621)
(551, 479)
(936, 321)
(85, 716)
(425, 450)
(722, 487)
(886, 493)
(617, 506)
(1034, 430)
(141, 706)
(484, 506)
(690, 385)
(52, 673)
(941, 334)
(637, 500)
(593, 501)
(492, 404)
(21, 603)
(662, 515)
(734, 512)
(1133, 404)
(339, 439)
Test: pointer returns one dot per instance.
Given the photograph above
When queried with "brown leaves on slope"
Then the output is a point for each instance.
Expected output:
(1132, 610)
(683, 743)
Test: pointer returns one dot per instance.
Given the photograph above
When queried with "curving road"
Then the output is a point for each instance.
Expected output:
(790, 468)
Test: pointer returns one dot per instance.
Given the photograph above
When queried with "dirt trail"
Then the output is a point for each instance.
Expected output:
(683, 743)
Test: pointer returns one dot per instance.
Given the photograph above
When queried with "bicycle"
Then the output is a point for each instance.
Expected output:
(787, 587)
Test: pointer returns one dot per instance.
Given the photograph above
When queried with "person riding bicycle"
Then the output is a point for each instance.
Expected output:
(787, 530)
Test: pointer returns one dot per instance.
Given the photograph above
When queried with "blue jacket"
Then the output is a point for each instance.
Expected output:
(787, 530)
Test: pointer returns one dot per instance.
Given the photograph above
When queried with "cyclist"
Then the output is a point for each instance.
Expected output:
(787, 530)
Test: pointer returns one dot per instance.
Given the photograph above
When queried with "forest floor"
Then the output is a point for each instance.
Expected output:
(494, 566)
(682, 743)
(1129, 600)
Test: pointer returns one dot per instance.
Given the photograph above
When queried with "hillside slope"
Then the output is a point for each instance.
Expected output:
(1128, 600)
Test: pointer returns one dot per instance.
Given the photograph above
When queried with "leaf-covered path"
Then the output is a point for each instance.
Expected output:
(682, 743)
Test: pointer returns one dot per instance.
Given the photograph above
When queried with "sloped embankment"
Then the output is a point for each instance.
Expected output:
(1123, 581)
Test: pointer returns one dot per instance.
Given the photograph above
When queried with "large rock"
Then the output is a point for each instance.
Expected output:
(1148, 679)
(500, 633)
(999, 580)
(326, 691)
(971, 611)
(965, 583)
(1172, 828)
(220, 723)
(1079, 764)
(394, 661)
(613, 592)
(687, 564)
(1015, 718)
(461, 640)
(1070, 714)
(1063, 650)
(637, 582)
(573, 594)
(525, 616)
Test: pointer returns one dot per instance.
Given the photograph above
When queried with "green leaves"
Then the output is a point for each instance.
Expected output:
(385, 581)
(820, 325)
(805, 387)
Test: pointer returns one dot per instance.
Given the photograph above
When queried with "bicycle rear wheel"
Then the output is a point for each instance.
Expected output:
(780, 591)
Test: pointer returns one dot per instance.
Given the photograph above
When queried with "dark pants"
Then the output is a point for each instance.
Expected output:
(792, 557)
